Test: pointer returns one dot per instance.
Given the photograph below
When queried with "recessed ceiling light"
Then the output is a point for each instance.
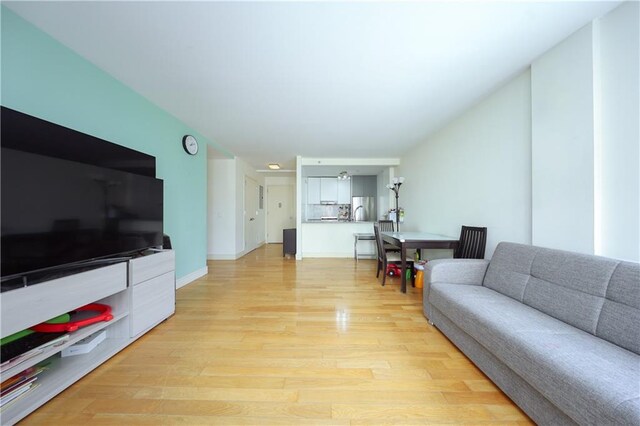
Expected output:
(274, 166)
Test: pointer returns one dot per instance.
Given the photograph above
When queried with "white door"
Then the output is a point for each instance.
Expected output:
(280, 211)
(251, 214)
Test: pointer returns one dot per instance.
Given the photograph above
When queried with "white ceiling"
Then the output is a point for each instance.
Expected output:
(270, 80)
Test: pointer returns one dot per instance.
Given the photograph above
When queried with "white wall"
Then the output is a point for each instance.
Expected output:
(619, 213)
(384, 193)
(221, 214)
(476, 171)
(562, 113)
(290, 179)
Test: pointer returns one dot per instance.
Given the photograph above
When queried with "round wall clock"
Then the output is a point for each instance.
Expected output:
(190, 144)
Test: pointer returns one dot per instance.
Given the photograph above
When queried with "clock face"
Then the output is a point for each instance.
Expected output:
(190, 145)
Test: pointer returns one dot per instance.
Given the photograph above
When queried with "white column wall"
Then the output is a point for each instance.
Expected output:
(619, 225)
(221, 212)
(562, 114)
(586, 139)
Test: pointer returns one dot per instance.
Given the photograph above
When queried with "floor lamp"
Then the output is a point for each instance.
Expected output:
(395, 187)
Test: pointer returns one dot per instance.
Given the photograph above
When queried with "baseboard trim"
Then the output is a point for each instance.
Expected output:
(189, 278)
(222, 256)
(236, 256)
(337, 255)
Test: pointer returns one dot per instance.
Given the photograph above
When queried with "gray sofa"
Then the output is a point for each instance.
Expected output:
(558, 332)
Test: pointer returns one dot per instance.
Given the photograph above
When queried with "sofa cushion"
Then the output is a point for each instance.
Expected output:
(510, 269)
(569, 286)
(590, 379)
(595, 294)
(619, 320)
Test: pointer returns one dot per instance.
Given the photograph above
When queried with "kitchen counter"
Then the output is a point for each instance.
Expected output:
(335, 221)
(321, 238)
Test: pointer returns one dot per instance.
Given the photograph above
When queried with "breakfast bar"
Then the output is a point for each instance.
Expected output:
(336, 239)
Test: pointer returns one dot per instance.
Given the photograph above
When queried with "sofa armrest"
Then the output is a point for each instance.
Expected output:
(451, 271)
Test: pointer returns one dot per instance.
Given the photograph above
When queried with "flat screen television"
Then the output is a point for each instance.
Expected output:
(32, 134)
(57, 212)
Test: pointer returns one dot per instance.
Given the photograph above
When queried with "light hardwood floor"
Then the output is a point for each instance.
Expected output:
(266, 340)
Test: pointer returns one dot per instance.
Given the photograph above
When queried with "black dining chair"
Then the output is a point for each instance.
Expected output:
(385, 257)
(473, 241)
(388, 226)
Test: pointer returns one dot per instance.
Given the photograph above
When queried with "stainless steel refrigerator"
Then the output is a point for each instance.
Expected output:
(363, 209)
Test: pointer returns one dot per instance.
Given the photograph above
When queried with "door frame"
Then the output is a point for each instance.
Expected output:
(246, 247)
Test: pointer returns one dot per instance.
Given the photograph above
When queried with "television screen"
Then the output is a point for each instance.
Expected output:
(31, 134)
(58, 212)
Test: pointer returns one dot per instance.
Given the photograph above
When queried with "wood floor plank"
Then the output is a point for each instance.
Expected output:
(266, 340)
(427, 412)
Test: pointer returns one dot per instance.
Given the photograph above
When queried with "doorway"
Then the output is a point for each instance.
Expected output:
(251, 214)
(280, 211)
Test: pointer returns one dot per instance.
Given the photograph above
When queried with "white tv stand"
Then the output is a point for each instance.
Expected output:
(141, 293)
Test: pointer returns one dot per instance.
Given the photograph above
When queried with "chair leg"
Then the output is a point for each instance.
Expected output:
(378, 268)
(384, 272)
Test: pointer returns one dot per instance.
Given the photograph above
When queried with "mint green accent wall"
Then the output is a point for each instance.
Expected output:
(43, 78)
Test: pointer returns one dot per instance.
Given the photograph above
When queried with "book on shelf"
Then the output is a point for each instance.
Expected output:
(33, 352)
(14, 387)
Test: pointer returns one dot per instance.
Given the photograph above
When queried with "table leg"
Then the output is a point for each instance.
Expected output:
(403, 267)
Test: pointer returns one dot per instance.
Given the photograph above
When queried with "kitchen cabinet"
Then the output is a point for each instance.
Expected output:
(328, 190)
(370, 186)
(344, 191)
(364, 186)
(313, 190)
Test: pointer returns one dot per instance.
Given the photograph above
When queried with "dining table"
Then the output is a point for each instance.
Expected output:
(416, 240)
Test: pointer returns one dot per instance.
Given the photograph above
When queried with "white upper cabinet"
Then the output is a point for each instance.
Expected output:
(344, 191)
(328, 190)
(313, 190)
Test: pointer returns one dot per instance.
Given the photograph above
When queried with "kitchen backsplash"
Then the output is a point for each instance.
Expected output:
(319, 211)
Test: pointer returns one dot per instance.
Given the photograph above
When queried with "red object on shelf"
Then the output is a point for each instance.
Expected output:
(103, 313)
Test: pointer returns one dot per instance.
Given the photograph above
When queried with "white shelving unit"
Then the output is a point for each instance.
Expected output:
(134, 313)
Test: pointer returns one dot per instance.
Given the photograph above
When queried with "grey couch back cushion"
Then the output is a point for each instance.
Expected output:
(595, 294)
(510, 269)
(620, 316)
